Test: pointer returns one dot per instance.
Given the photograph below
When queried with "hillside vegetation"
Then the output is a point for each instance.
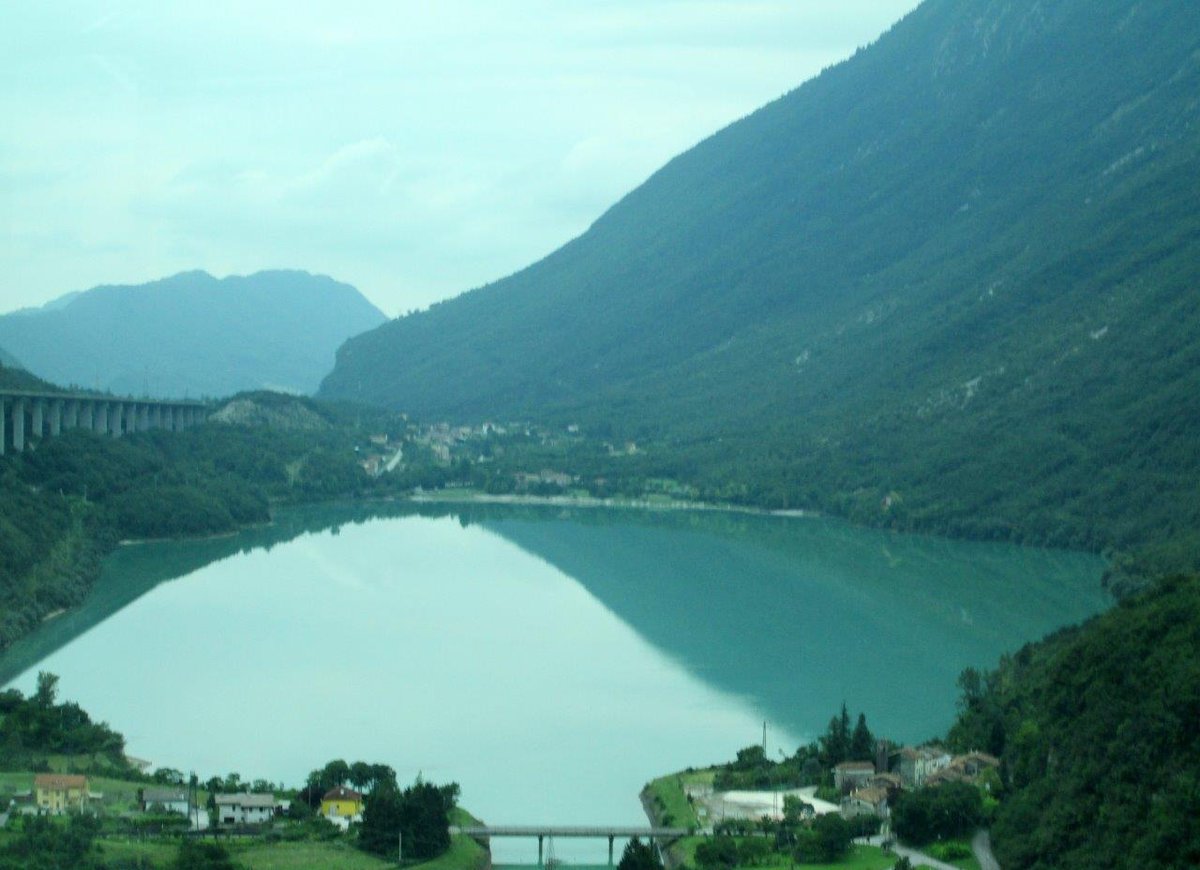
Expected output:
(1096, 727)
(947, 285)
(192, 334)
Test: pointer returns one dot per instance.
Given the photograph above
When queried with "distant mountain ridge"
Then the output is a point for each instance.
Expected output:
(192, 334)
(949, 284)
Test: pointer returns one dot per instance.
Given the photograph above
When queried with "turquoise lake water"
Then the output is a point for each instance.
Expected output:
(549, 660)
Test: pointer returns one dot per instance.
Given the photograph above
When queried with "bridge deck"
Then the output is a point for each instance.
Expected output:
(98, 397)
(601, 831)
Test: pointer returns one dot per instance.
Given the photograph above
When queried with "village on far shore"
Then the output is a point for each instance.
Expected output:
(59, 793)
(864, 788)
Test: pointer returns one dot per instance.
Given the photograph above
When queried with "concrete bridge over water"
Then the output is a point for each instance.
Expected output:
(543, 832)
(26, 414)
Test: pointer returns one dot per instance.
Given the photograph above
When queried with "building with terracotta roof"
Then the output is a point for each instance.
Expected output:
(59, 792)
(871, 801)
(915, 765)
(342, 802)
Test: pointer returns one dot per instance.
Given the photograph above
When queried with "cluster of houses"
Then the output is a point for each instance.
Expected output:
(868, 790)
(56, 793)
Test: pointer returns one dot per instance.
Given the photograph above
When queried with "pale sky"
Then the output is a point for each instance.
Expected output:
(415, 150)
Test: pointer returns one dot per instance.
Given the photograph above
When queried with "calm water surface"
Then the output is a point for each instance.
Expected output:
(550, 661)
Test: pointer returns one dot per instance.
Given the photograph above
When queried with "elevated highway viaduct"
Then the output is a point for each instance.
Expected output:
(26, 415)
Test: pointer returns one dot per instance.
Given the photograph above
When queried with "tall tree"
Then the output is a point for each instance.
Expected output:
(835, 744)
(862, 743)
(47, 689)
(360, 774)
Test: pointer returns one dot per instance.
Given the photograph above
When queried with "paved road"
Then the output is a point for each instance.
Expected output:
(981, 845)
(395, 460)
(918, 859)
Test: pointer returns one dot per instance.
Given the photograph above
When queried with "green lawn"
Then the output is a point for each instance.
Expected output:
(297, 856)
(669, 800)
(968, 863)
(859, 858)
(156, 854)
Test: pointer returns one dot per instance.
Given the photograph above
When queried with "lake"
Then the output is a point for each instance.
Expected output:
(550, 660)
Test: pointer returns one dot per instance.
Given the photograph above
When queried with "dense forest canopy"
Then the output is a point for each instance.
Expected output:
(1096, 729)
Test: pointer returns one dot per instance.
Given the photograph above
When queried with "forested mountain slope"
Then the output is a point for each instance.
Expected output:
(1096, 730)
(192, 334)
(948, 284)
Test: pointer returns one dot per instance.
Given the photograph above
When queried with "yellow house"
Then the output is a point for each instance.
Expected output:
(341, 802)
(56, 792)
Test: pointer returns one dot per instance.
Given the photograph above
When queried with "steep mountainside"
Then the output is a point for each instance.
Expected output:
(8, 360)
(192, 334)
(948, 284)
(1096, 730)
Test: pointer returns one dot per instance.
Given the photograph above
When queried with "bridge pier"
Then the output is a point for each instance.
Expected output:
(610, 849)
(540, 838)
(18, 425)
(29, 416)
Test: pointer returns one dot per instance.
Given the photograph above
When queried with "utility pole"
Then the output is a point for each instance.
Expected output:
(400, 847)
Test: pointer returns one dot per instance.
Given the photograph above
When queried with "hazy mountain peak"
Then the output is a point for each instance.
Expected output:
(194, 334)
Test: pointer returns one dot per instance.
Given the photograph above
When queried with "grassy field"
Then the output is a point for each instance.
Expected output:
(295, 856)
(859, 858)
(669, 800)
(150, 853)
(968, 863)
(464, 853)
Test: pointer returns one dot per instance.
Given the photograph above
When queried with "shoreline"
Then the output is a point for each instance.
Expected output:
(585, 501)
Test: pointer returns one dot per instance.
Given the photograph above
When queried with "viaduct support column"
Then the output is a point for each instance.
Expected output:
(610, 849)
(156, 417)
(56, 413)
(119, 423)
(71, 414)
(100, 424)
(143, 418)
(539, 850)
(87, 415)
(18, 425)
(38, 407)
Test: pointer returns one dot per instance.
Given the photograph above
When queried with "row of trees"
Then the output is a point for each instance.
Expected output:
(812, 764)
(821, 840)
